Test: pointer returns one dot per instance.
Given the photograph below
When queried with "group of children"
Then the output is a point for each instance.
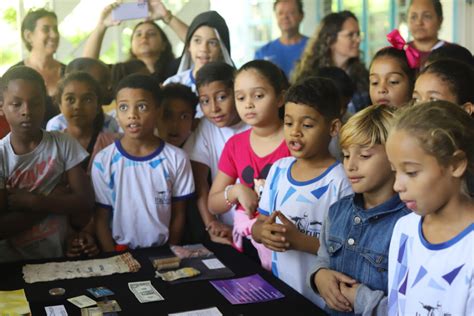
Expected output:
(387, 227)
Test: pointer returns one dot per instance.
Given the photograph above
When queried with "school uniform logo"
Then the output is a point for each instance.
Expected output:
(162, 197)
(304, 225)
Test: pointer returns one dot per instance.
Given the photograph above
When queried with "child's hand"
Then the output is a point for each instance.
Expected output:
(290, 233)
(221, 240)
(273, 234)
(219, 229)
(82, 243)
(247, 198)
(327, 281)
(21, 200)
(349, 291)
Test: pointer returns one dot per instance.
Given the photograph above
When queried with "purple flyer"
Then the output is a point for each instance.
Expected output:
(251, 289)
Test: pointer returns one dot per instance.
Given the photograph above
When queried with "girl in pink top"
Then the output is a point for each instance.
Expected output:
(247, 157)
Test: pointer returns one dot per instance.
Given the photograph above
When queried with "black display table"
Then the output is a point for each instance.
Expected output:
(178, 297)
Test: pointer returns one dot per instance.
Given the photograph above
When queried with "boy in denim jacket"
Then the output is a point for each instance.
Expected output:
(352, 263)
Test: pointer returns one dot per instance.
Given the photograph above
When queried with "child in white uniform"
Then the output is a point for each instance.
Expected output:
(215, 84)
(431, 259)
(207, 40)
(300, 189)
(141, 183)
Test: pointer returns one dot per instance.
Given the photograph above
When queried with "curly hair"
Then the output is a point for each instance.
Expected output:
(317, 52)
(318, 93)
(166, 55)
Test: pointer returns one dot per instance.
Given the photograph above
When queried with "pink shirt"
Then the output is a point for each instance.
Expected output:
(238, 160)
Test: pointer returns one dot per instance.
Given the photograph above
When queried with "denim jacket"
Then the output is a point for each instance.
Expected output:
(356, 241)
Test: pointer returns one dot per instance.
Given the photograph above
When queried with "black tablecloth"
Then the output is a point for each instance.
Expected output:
(178, 297)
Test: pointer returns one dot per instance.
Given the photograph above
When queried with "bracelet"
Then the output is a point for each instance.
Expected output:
(168, 17)
(226, 195)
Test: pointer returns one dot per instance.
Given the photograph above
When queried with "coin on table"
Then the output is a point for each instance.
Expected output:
(57, 291)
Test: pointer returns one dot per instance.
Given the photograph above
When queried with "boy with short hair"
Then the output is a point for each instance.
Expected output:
(176, 119)
(35, 207)
(300, 189)
(215, 85)
(141, 182)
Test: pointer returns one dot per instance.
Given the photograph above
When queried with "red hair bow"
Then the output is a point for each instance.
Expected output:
(397, 41)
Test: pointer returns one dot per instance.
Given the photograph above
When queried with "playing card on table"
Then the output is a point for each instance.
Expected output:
(100, 291)
(82, 301)
(91, 311)
(145, 292)
(56, 310)
(109, 306)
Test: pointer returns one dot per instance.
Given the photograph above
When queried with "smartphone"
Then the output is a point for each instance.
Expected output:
(130, 11)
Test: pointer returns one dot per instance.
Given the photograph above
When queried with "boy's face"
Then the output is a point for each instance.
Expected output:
(204, 46)
(23, 106)
(218, 104)
(137, 112)
(368, 168)
(176, 121)
(307, 132)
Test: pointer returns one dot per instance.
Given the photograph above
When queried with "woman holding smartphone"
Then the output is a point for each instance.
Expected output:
(148, 42)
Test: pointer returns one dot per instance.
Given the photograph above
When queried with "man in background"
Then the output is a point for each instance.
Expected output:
(285, 50)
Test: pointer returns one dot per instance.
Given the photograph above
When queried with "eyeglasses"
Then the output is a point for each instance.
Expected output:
(351, 35)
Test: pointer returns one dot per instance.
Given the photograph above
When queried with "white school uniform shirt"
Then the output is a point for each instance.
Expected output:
(39, 172)
(205, 146)
(305, 204)
(59, 123)
(430, 279)
(186, 78)
(207, 142)
(139, 191)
